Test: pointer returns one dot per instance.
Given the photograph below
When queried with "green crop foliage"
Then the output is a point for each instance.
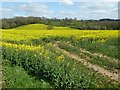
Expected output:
(17, 77)
(31, 48)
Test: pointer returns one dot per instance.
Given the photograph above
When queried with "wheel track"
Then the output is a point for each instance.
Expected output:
(97, 68)
(97, 54)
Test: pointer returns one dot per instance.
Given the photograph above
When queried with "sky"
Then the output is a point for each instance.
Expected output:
(80, 9)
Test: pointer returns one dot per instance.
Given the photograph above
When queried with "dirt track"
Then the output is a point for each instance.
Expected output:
(97, 68)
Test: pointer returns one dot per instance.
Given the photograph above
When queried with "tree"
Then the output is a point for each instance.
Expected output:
(50, 26)
(13, 25)
(5, 25)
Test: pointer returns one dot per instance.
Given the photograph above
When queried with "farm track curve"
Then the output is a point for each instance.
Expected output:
(97, 54)
(97, 68)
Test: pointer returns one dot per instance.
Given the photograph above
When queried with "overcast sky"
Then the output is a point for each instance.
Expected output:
(82, 9)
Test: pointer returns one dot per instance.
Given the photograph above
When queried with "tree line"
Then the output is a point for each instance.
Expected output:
(102, 24)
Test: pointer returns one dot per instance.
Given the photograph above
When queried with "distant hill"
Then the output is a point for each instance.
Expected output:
(40, 27)
(102, 24)
(32, 27)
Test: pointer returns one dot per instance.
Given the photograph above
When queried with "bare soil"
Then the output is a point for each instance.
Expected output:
(97, 68)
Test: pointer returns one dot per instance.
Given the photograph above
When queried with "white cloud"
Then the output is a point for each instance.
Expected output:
(27, 9)
(32, 9)
(109, 0)
(82, 10)
(96, 0)
(37, 9)
(67, 2)
(5, 12)
(63, 14)
(5, 9)
(99, 10)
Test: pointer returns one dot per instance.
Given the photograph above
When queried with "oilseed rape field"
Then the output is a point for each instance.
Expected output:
(34, 57)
